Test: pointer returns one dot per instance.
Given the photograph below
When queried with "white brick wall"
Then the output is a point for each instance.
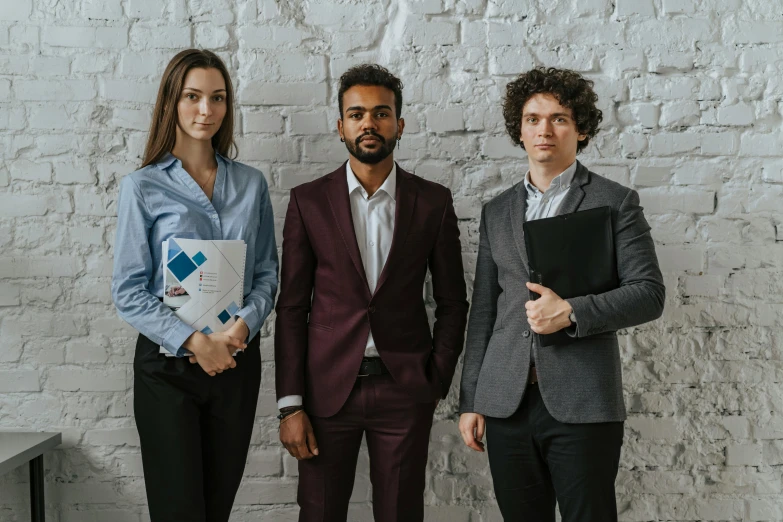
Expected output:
(691, 96)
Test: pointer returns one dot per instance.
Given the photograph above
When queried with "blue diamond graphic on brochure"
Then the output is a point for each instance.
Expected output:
(199, 258)
(232, 308)
(206, 330)
(174, 249)
(181, 266)
(224, 316)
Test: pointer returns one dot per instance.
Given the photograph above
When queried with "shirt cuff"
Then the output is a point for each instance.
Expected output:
(176, 338)
(252, 320)
(289, 400)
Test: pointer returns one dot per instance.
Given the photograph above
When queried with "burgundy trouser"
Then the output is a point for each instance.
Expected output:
(397, 430)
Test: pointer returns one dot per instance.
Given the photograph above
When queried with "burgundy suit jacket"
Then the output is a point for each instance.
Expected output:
(325, 309)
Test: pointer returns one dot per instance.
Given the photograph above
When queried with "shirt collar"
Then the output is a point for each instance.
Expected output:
(168, 160)
(389, 186)
(561, 182)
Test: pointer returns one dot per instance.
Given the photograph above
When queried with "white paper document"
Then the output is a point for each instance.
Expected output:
(204, 282)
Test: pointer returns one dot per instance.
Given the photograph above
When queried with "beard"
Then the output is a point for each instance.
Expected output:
(385, 148)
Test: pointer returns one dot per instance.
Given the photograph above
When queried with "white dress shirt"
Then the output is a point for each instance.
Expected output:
(373, 223)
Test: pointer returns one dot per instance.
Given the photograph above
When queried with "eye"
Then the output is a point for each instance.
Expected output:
(219, 98)
(355, 116)
(560, 120)
(382, 114)
(531, 120)
(191, 96)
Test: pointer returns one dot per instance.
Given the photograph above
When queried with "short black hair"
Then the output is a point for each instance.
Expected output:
(371, 74)
(572, 91)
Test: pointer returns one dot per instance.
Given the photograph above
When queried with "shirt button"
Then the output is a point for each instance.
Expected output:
(372, 243)
(526, 333)
(372, 309)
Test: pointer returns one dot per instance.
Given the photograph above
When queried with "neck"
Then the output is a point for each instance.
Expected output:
(197, 156)
(371, 177)
(542, 174)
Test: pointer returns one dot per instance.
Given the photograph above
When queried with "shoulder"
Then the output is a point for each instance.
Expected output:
(501, 202)
(606, 188)
(139, 179)
(315, 188)
(433, 190)
(251, 177)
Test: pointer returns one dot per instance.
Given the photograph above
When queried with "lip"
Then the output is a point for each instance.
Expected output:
(545, 146)
(370, 138)
(204, 124)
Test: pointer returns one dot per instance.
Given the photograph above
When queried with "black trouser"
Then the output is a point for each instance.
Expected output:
(194, 430)
(536, 461)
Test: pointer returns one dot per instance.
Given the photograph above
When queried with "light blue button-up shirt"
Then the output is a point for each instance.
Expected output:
(162, 201)
(546, 204)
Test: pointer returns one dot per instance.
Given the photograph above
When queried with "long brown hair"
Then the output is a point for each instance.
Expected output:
(163, 131)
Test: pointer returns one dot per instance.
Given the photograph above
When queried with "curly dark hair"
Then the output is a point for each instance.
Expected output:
(370, 74)
(571, 90)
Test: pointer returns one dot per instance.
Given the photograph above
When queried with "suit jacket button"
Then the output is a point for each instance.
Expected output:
(372, 309)
(526, 333)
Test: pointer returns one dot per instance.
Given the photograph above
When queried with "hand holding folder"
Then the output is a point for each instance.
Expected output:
(573, 255)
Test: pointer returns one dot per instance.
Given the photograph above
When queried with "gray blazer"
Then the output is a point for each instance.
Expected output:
(580, 382)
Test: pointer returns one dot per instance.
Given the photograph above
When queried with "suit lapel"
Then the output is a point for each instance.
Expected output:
(404, 207)
(517, 211)
(337, 194)
(575, 194)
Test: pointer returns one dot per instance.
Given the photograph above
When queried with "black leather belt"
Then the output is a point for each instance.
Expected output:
(372, 366)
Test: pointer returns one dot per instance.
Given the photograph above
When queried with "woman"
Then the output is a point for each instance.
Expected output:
(194, 412)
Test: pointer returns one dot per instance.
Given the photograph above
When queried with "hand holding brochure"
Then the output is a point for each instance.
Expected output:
(204, 282)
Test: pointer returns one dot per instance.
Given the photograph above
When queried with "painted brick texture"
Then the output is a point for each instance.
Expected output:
(691, 96)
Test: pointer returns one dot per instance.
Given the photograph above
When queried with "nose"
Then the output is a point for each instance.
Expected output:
(205, 107)
(368, 122)
(545, 129)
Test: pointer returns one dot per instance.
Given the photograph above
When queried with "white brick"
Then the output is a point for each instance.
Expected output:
(20, 205)
(161, 37)
(268, 149)
(9, 295)
(30, 171)
(145, 9)
(652, 428)
(741, 114)
(136, 119)
(664, 200)
(310, 123)
(93, 380)
(19, 381)
(743, 455)
(90, 203)
(60, 90)
(129, 91)
(16, 10)
(652, 176)
(112, 437)
(496, 147)
(66, 173)
(676, 259)
(262, 122)
(510, 60)
(672, 7)
(258, 93)
(52, 266)
(445, 120)
(209, 36)
(635, 7)
(103, 9)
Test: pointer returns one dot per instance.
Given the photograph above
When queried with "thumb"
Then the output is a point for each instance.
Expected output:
(311, 442)
(537, 288)
(236, 343)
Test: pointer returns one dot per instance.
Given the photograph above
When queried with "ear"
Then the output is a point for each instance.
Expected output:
(400, 127)
(581, 137)
(340, 128)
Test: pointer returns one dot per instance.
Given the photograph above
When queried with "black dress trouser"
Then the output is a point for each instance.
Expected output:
(194, 430)
(537, 461)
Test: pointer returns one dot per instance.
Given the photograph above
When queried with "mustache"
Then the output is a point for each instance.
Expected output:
(370, 133)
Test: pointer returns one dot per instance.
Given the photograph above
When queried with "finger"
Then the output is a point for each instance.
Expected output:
(212, 373)
(233, 363)
(480, 429)
(304, 451)
(236, 343)
(537, 288)
(311, 442)
(467, 435)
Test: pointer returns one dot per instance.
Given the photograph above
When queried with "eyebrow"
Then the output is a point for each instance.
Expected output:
(196, 90)
(360, 108)
(551, 115)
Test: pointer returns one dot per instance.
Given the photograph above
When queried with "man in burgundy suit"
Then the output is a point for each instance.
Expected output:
(353, 350)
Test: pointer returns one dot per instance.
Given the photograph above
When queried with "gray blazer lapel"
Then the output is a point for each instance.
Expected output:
(517, 209)
(575, 194)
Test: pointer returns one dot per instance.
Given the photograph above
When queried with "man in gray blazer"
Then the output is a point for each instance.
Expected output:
(553, 415)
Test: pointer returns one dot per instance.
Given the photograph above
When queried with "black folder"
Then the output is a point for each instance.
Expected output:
(573, 255)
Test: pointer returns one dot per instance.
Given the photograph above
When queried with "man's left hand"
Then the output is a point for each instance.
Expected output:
(549, 313)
